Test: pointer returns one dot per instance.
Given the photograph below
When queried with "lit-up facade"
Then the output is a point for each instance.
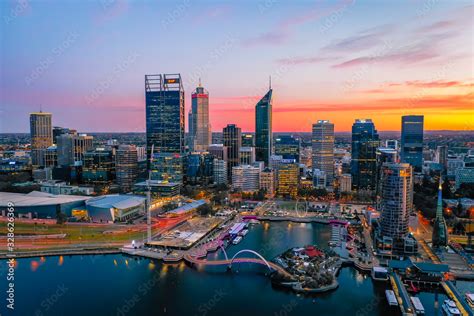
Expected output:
(288, 180)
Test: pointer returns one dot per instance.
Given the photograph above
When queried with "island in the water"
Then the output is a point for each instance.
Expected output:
(312, 270)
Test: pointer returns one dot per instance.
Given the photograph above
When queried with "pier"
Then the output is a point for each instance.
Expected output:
(401, 293)
(454, 294)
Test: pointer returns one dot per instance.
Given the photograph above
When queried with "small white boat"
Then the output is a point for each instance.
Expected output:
(244, 232)
(419, 309)
(449, 308)
(392, 300)
(237, 240)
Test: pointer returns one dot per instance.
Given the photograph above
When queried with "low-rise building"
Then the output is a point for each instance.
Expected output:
(115, 208)
(60, 187)
(158, 188)
(41, 204)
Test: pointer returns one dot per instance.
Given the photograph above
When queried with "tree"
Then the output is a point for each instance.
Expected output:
(61, 218)
(204, 210)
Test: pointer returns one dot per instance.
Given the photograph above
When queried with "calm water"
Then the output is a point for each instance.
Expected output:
(120, 285)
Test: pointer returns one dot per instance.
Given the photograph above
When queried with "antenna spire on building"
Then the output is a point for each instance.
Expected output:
(269, 82)
(200, 82)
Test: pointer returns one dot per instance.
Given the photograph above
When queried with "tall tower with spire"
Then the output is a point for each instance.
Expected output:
(199, 125)
(440, 231)
(263, 127)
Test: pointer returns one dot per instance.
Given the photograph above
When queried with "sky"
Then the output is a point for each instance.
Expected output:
(85, 61)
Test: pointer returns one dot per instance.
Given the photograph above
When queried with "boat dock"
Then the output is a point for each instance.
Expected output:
(454, 294)
(406, 306)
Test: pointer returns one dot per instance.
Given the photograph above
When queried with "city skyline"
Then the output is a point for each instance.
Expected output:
(340, 74)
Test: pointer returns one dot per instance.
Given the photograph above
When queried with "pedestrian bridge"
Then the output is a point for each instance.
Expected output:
(236, 259)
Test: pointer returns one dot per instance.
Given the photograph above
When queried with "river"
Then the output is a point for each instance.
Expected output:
(122, 285)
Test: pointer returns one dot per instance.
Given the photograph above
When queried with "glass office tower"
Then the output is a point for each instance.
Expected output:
(412, 141)
(365, 141)
(263, 128)
(164, 96)
(232, 141)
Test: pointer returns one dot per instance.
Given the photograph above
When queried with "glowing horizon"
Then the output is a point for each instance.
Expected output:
(337, 60)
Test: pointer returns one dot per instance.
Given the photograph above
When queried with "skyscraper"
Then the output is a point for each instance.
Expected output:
(232, 141)
(164, 96)
(126, 167)
(323, 149)
(263, 128)
(397, 200)
(365, 141)
(41, 133)
(199, 126)
(440, 231)
(412, 141)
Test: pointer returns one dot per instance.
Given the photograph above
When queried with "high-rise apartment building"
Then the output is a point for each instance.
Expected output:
(397, 200)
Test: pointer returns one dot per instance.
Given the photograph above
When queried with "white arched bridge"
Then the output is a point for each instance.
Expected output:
(235, 259)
